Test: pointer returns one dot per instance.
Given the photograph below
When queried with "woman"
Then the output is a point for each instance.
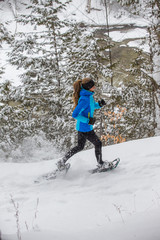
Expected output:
(84, 106)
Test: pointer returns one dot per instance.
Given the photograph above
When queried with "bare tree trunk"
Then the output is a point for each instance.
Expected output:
(56, 55)
(14, 11)
(88, 8)
(110, 55)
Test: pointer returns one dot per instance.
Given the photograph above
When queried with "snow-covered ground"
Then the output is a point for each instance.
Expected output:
(121, 204)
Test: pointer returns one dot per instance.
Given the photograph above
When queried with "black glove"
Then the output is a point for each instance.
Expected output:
(92, 121)
(101, 103)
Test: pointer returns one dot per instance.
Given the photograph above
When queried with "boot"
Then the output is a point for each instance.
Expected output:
(61, 165)
(104, 165)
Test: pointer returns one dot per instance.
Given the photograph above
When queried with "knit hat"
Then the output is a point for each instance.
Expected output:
(88, 85)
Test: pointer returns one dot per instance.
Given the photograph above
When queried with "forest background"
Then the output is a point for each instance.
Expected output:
(51, 45)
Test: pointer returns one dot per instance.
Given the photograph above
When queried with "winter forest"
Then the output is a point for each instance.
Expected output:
(53, 43)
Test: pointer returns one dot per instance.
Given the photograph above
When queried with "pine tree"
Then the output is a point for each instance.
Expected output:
(40, 53)
(5, 37)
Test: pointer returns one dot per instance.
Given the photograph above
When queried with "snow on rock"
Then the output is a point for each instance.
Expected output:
(121, 204)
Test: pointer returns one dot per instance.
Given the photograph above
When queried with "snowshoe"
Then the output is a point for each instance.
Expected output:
(54, 174)
(107, 166)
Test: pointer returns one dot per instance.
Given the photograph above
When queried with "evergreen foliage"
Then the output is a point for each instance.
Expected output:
(5, 36)
(53, 60)
(40, 53)
(137, 97)
(52, 56)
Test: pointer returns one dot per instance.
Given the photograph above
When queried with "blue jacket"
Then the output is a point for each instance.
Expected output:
(84, 110)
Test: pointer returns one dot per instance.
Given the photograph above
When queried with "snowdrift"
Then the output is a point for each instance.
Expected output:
(121, 204)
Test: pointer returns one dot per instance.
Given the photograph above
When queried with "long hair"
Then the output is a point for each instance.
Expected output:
(77, 87)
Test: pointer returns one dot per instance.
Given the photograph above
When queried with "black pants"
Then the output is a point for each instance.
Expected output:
(82, 137)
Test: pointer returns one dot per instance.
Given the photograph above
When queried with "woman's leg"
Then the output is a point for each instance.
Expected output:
(78, 148)
(93, 138)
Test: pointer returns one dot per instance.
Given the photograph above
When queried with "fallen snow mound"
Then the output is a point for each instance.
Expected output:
(120, 204)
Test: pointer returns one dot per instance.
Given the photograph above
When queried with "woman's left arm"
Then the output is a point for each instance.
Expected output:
(96, 105)
(100, 104)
